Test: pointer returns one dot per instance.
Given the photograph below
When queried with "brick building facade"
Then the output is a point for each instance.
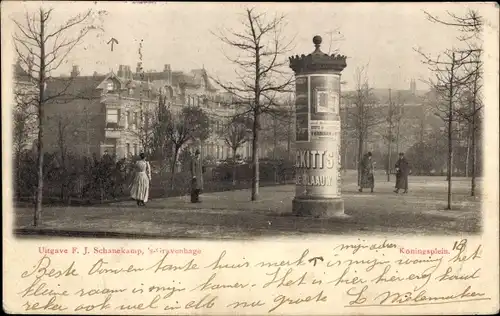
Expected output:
(113, 112)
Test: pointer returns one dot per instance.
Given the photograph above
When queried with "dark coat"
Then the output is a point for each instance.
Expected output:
(366, 177)
(196, 174)
(402, 172)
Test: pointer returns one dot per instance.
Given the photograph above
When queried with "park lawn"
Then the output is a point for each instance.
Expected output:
(229, 215)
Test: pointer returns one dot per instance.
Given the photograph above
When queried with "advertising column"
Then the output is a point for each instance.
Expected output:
(318, 136)
(317, 164)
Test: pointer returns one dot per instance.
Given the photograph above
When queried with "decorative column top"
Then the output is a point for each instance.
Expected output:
(317, 60)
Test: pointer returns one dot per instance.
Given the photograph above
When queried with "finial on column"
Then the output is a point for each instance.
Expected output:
(317, 42)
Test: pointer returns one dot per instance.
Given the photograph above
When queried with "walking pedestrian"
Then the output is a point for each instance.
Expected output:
(367, 181)
(196, 178)
(140, 185)
(402, 172)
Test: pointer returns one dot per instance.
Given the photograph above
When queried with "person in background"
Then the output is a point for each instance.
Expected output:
(402, 172)
(140, 186)
(367, 181)
(196, 178)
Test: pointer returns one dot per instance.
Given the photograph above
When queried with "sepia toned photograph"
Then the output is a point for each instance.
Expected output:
(250, 158)
(111, 137)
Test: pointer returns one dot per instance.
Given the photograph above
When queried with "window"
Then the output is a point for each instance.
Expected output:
(130, 91)
(218, 152)
(127, 119)
(134, 120)
(109, 146)
(135, 150)
(111, 85)
(128, 150)
(112, 116)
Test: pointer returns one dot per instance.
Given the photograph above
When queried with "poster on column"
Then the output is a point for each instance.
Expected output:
(302, 109)
(302, 127)
(325, 97)
(317, 171)
(301, 96)
(325, 130)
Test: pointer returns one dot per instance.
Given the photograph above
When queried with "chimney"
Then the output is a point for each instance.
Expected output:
(128, 72)
(120, 72)
(168, 73)
(95, 74)
(75, 72)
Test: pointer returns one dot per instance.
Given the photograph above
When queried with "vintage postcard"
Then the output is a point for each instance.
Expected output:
(205, 158)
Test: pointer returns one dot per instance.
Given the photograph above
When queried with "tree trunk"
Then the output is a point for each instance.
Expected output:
(234, 166)
(346, 151)
(289, 140)
(360, 155)
(473, 140)
(450, 134)
(389, 139)
(397, 135)
(41, 94)
(63, 160)
(18, 174)
(174, 162)
(275, 141)
(389, 154)
(473, 159)
(255, 157)
(202, 157)
(467, 155)
(163, 161)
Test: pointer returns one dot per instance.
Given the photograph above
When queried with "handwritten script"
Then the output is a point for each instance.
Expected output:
(347, 275)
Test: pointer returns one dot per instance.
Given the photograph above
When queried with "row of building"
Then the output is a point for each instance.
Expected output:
(113, 112)
(110, 113)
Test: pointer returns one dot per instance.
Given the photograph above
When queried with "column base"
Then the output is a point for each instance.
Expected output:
(326, 208)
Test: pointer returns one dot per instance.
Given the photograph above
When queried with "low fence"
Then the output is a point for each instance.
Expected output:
(83, 180)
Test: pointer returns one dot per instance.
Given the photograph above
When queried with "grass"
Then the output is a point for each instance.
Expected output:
(229, 215)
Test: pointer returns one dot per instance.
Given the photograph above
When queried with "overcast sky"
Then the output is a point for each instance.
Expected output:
(380, 35)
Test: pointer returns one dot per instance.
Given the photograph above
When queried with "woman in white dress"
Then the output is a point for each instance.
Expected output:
(140, 186)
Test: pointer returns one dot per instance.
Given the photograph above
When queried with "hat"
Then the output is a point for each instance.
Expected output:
(401, 153)
(369, 153)
(197, 152)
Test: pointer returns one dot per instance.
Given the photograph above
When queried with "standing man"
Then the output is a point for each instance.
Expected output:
(196, 180)
(367, 181)
(402, 172)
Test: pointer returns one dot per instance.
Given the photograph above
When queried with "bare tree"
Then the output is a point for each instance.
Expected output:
(260, 49)
(448, 84)
(389, 137)
(470, 26)
(45, 47)
(364, 115)
(145, 130)
(180, 128)
(398, 113)
(235, 135)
